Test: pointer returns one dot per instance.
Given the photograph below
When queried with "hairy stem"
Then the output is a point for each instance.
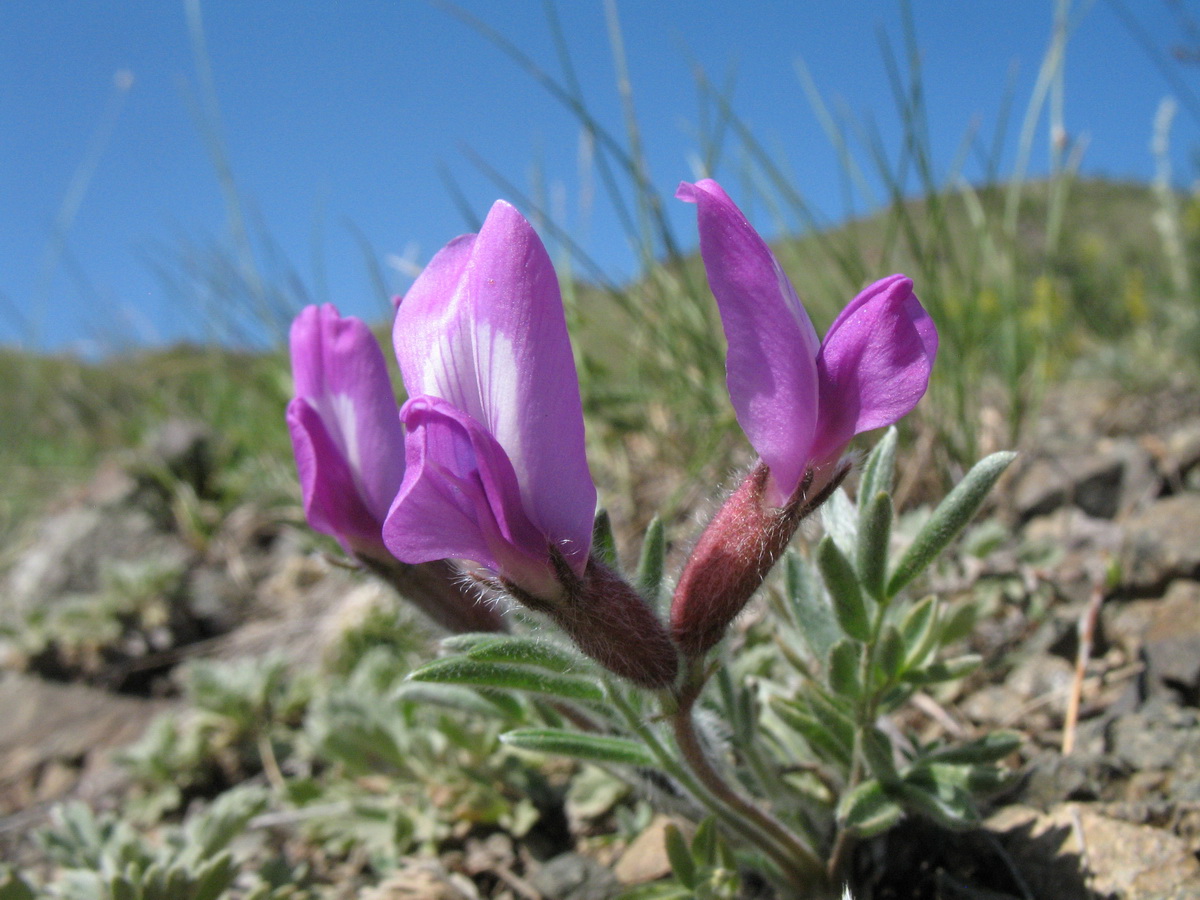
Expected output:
(866, 710)
(748, 831)
(790, 853)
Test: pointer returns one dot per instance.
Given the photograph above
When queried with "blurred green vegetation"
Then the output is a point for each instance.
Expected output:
(63, 415)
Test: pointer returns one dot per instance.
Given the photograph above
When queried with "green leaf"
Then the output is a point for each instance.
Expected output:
(651, 562)
(844, 660)
(834, 716)
(464, 643)
(658, 890)
(527, 651)
(680, 857)
(738, 707)
(919, 632)
(463, 670)
(874, 533)
(121, 888)
(879, 469)
(819, 739)
(950, 517)
(704, 843)
(947, 804)
(476, 701)
(810, 606)
(990, 748)
(988, 780)
(840, 521)
(877, 751)
(959, 623)
(14, 887)
(591, 747)
(950, 670)
(895, 697)
(604, 543)
(214, 877)
(842, 581)
(889, 653)
(867, 810)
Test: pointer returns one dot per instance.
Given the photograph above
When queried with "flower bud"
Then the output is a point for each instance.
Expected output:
(741, 544)
(610, 622)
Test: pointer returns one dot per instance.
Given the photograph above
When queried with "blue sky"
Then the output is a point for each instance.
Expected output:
(338, 117)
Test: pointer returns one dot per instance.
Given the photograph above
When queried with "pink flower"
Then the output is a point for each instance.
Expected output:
(345, 428)
(349, 447)
(496, 469)
(799, 401)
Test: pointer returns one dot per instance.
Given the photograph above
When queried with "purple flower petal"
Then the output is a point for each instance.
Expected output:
(340, 371)
(332, 503)
(483, 329)
(770, 366)
(874, 364)
(461, 499)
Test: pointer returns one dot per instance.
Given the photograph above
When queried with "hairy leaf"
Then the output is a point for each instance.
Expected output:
(650, 564)
(527, 651)
(879, 469)
(810, 607)
(844, 587)
(591, 747)
(604, 542)
(867, 810)
(950, 517)
(874, 533)
(844, 661)
(464, 670)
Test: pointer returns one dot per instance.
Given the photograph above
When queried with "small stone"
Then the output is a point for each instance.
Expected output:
(1121, 860)
(1157, 736)
(1053, 778)
(645, 859)
(183, 447)
(1042, 675)
(422, 879)
(572, 876)
(1181, 450)
(1161, 545)
(1172, 643)
(51, 728)
(1083, 544)
(1124, 624)
(55, 780)
(1088, 480)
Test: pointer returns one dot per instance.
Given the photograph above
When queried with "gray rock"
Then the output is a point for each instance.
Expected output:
(1160, 735)
(572, 876)
(42, 723)
(1053, 778)
(1162, 543)
(1082, 479)
(184, 449)
(1181, 451)
(1104, 480)
(68, 554)
(1172, 643)
(1122, 860)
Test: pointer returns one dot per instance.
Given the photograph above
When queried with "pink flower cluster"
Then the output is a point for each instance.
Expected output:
(483, 469)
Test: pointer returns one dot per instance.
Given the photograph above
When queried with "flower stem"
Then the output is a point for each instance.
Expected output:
(866, 710)
(788, 851)
(796, 878)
